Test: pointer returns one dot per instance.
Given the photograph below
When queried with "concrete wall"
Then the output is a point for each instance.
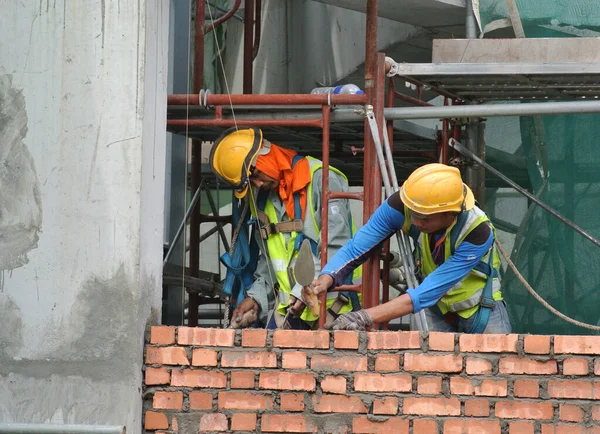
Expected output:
(378, 382)
(305, 44)
(82, 113)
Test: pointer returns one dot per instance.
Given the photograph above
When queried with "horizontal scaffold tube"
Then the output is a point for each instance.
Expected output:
(491, 110)
(267, 99)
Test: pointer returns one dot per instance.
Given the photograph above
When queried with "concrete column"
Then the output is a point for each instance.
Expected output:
(83, 91)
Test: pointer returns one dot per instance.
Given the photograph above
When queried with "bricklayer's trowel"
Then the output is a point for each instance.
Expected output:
(304, 272)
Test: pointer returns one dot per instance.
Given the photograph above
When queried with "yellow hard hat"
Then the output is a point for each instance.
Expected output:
(435, 188)
(233, 156)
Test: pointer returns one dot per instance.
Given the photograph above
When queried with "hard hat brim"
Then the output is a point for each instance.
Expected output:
(469, 199)
(241, 193)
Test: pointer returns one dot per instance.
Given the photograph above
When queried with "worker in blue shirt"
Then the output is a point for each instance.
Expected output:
(460, 290)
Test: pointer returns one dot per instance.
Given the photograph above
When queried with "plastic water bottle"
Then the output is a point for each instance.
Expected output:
(343, 89)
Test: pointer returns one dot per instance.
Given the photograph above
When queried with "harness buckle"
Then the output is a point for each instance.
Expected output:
(487, 302)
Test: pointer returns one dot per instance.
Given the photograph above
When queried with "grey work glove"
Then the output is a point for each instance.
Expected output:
(359, 320)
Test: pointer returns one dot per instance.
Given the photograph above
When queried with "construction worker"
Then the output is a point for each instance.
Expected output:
(460, 290)
(286, 201)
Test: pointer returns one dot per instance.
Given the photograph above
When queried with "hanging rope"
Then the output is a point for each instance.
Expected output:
(539, 298)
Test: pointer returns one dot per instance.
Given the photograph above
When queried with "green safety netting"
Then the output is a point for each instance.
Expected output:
(546, 18)
(558, 159)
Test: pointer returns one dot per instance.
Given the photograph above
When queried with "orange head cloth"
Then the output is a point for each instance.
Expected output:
(277, 164)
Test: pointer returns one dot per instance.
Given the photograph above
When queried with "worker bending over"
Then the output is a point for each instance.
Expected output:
(286, 201)
(460, 287)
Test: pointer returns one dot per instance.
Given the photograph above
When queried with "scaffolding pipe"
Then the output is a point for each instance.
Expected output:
(482, 110)
(266, 99)
(182, 225)
(460, 148)
(324, 210)
(196, 163)
(32, 428)
(248, 45)
(209, 27)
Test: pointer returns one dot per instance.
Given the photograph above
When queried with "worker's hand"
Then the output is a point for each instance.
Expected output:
(296, 306)
(319, 286)
(246, 305)
(359, 320)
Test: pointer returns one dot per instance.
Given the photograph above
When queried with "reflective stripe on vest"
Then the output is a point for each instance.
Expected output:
(464, 297)
(283, 254)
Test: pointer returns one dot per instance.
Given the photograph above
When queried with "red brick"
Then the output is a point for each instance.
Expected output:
(432, 406)
(537, 344)
(526, 389)
(199, 378)
(287, 423)
(162, 335)
(155, 420)
(301, 339)
(339, 363)
(441, 341)
(393, 340)
(475, 366)
(242, 380)
(461, 386)
(203, 357)
(248, 359)
(338, 404)
(382, 383)
(597, 367)
(387, 405)
(393, 425)
(200, 401)
(521, 428)
(576, 366)
(166, 356)
(174, 424)
(387, 362)
(462, 426)
(168, 400)
(244, 401)
(429, 385)
(491, 388)
(294, 360)
(155, 376)
(477, 408)
(563, 428)
(571, 389)
(291, 402)
(577, 344)
(524, 410)
(214, 422)
(205, 337)
(571, 413)
(596, 412)
(345, 340)
(520, 365)
(254, 338)
(286, 381)
(425, 426)
(488, 343)
(243, 422)
(333, 384)
(414, 362)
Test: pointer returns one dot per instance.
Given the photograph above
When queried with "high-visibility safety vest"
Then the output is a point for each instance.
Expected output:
(464, 297)
(282, 254)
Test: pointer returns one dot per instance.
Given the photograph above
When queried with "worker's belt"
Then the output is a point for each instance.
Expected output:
(332, 313)
(267, 228)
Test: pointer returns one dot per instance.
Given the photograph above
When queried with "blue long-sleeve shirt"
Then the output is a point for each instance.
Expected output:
(388, 219)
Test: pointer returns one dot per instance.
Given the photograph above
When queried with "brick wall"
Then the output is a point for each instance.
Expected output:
(212, 380)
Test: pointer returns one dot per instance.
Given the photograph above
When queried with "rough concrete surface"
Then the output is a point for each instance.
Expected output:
(20, 201)
(82, 115)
